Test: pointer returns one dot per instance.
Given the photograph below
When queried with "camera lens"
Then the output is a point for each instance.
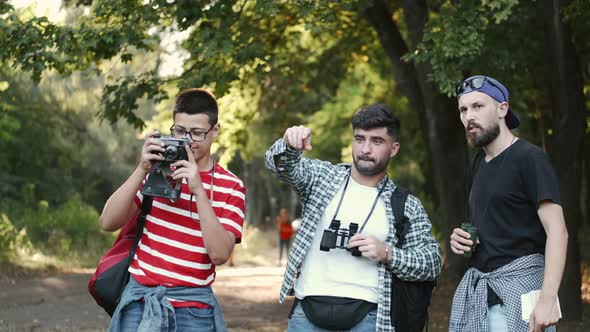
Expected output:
(171, 153)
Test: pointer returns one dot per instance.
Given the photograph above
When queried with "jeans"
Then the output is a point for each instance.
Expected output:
(283, 244)
(300, 323)
(187, 319)
(157, 313)
(497, 318)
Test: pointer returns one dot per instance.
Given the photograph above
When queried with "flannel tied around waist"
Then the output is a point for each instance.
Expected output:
(157, 308)
(470, 303)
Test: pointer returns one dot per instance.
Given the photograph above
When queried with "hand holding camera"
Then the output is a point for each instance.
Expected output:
(165, 154)
(189, 170)
(151, 151)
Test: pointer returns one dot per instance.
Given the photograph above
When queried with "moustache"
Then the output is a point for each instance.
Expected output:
(472, 125)
(366, 158)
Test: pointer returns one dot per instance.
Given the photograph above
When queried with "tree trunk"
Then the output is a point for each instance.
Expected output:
(250, 192)
(273, 193)
(439, 121)
(257, 200)
(586, 196)
(565, 143)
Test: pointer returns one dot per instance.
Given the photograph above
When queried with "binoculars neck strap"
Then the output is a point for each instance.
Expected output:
(384, 183)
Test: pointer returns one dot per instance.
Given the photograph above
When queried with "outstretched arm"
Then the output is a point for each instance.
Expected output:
(283, 158)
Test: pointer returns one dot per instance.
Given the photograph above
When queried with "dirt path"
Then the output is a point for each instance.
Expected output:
(61, 303)
(248, 296)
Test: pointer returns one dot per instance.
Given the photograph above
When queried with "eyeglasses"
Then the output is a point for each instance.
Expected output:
(195, 135)
(475, 83)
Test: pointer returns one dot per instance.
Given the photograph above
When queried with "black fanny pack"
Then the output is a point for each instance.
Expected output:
(335, 313)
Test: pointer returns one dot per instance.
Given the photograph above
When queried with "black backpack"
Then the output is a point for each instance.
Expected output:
(409, 299)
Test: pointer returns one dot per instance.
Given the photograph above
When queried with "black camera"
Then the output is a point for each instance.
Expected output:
(159, 182)
(174, 149)
(336, 237)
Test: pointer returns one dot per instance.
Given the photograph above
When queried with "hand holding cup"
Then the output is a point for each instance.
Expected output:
(464, 240)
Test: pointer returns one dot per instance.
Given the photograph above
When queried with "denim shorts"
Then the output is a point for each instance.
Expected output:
(497, 318)
(187, 319)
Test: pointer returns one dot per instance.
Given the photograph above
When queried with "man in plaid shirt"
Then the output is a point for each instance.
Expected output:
(359, 193)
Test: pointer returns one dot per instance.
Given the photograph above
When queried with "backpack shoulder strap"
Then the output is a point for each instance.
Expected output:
(398, 204)
(146, 207)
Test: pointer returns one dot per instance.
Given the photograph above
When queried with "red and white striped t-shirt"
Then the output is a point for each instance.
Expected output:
(171, 251)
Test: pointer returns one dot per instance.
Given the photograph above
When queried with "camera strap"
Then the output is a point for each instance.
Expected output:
(372, 207)
(211, 182)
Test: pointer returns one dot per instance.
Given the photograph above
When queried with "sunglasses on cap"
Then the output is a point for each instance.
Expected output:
(475, 83)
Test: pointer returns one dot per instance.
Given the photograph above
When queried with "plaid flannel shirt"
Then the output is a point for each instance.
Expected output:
(317, 182)
(470, 303)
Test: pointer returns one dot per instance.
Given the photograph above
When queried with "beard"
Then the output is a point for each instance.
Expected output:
(369, 169)
(485, 137)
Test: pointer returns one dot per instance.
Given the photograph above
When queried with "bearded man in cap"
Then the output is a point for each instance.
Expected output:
(514, 204)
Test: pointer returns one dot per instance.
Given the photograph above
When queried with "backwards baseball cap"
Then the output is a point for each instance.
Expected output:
(492, 88)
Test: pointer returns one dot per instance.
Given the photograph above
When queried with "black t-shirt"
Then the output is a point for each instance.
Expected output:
(504, 199)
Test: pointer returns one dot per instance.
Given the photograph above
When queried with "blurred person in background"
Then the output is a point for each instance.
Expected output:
(285, 233)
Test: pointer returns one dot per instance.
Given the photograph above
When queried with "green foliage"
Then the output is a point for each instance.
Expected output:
(36, 45)
(488, 37)
(501, 9)
(120, 100)
(576, 15)
(289, 48)
(278, 64)
(452, 39)
(40, 149)
(63, 231)
(239, 119)
(51, 137)
(227, 42)
(274, 64)
(11, 239)
(56, 157)
(39, 45)
(331, 125)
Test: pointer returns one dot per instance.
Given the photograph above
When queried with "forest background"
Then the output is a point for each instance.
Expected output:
(81, 83)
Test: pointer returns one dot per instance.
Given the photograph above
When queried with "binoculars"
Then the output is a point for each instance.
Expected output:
(336, 237)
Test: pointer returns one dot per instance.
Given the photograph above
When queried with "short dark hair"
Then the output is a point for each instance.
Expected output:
(376, 116)
(197, 101)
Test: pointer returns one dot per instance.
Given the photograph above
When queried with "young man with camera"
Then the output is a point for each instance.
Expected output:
(340, 267)
(517, 226)
(185, 238)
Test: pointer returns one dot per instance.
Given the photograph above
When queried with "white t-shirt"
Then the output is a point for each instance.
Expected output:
(337, 272)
